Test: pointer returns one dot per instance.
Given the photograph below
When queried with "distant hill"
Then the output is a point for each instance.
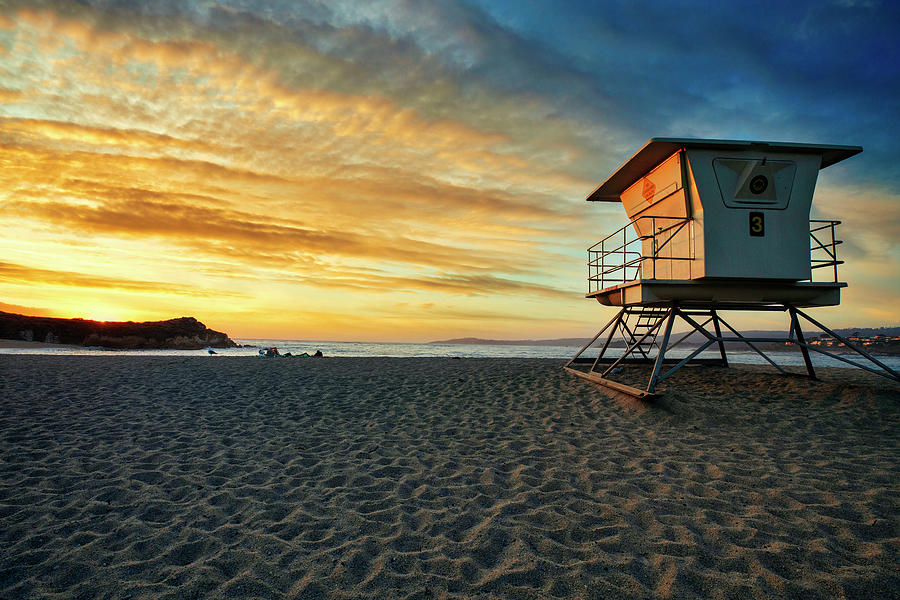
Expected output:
(695, 339)
(869, 331)
(186, 333)
(556, 342)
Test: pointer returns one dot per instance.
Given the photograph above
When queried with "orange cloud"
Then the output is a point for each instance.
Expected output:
(187, 74)
(11, 96)
(326, 227)
(183, 224)
(469, 285)
(22, 274)
(26, 310)
(219, 161)
(79, 134)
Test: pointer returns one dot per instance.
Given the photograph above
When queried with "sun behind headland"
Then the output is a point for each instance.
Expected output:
(104, 315)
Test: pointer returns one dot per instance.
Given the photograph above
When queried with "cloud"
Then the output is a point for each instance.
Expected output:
(304, 70)
(32, 130)
(473, 224)
(183, 224)
(455, 284)
(26, 310)
(26, 275)
(12, 96)
(870, 217)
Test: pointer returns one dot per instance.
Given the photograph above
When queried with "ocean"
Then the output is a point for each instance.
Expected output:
(407, 350)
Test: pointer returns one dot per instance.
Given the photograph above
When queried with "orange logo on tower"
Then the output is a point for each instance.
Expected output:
(648, 190)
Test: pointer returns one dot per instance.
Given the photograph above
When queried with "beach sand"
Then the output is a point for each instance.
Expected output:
(213, 477)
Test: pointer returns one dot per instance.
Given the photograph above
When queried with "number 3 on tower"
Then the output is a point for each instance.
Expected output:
(757, 224)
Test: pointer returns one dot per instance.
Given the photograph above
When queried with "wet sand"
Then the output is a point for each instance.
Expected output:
(23, 344)
(220, 477)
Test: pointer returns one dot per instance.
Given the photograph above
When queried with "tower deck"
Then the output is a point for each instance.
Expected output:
(721, 293)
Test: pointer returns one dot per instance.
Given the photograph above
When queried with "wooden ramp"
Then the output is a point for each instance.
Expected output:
(613, 385)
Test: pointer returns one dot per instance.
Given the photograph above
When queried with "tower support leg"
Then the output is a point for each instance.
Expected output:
(662, 348)
(795, 328)
(615, 320)
(886, 370)
(715, 320)
(618, 320)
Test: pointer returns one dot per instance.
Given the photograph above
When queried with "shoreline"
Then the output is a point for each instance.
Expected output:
(785, 358)
(9, 344)
(19, 344)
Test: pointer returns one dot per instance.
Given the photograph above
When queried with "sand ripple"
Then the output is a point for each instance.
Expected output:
(134, 477)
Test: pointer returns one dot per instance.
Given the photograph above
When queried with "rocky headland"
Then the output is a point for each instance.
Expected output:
(185, 333)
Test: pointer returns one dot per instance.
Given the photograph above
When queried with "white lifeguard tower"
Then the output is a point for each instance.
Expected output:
(714, 225)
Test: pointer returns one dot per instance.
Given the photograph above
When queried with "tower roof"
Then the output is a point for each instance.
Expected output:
(657, 150)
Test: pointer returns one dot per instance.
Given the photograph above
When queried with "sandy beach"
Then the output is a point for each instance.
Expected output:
(210, 477)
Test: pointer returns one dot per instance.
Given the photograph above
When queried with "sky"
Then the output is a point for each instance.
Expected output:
(406, 170)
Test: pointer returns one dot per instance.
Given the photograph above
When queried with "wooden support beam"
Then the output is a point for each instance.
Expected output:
(613, 385)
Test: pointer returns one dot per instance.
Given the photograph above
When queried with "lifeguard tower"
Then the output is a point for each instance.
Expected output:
(714, 225)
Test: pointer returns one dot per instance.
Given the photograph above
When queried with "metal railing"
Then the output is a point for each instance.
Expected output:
(622, 256)
(823, 247)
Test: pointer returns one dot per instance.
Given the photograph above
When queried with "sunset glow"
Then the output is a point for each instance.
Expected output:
(392, 170)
